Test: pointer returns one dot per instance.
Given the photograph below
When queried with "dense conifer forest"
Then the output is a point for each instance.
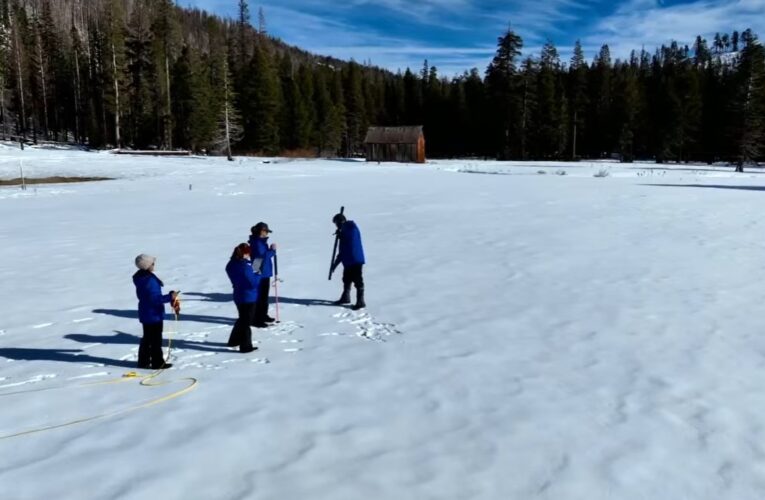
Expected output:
(148, 74)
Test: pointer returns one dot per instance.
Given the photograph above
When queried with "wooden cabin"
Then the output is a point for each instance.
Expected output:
(395, 144)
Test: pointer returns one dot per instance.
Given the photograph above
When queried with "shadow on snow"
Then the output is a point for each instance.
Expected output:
(227, 297)
(198, 318)
(711, 186)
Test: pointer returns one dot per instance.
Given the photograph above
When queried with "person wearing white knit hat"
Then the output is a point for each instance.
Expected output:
(151, 312)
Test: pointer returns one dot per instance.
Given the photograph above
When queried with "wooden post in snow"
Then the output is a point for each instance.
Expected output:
(21, 173)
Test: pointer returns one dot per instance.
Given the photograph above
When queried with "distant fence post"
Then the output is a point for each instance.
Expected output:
(21, 172)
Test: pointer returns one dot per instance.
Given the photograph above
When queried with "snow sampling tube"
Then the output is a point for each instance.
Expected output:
(146, 381)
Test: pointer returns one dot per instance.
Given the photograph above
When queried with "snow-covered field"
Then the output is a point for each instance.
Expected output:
(527, 336)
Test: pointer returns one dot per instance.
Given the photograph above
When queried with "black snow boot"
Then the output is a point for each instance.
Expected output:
(360, 304)
(345, 298)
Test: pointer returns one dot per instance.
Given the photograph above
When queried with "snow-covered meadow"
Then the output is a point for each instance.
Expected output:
(529, 334)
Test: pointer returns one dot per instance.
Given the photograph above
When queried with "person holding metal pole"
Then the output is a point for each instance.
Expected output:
(263, 255)
(351, 255)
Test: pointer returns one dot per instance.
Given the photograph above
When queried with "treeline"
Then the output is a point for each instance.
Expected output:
(148, 74)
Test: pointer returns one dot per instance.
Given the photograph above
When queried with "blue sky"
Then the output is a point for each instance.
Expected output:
(455, 35)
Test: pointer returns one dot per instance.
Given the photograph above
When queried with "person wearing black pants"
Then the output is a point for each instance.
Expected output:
(261, 319)
(246, 284)
(353, 276)
(241, 335)
(351, 256)
(151, 312)
(263, 264)
(150, 347)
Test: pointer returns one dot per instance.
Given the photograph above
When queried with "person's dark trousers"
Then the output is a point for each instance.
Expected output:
(352, 275)
(150, 348)
(241, 334)
(261, 308)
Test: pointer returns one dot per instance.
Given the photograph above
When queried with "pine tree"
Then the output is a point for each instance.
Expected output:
(354, 110)
(243, 30)
(262, 103)
(230, 130)
(702, 55)
(547, 138)
(17, 22)
(294, 119)
(117, 62)
(502, 82)
(165, 44)
(328, 98)
(750, 102)
(602, 102)
(182, 89)
(578, 84)
(528, 89)
(5, 60)
(262, 29)
(306, 135)
(142, 86)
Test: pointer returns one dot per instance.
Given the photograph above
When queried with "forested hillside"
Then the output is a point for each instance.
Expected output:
(148, 74)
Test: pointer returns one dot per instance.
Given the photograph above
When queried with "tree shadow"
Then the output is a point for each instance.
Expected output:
(227, 297)
(700, 168)
(346, 160)
(211, 297)
(129, 339)
(306, 302)
(198, 318)
(61, 355)
(710, 186)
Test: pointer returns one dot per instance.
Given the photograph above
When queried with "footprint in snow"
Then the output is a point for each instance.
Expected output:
(33, 380)
(90, 375)
(229, 361)
(366, 327)
(293, 349)
(196, 356)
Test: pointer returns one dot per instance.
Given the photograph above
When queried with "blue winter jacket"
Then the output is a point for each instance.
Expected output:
(351, 251)
(262, 256)
(244, 280)
(151, 302)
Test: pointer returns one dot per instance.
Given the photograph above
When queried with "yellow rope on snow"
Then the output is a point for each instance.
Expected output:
(144, 381)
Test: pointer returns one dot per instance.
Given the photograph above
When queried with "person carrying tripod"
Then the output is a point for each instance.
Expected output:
(351, 256)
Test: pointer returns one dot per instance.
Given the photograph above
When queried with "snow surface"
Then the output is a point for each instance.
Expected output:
(528, 335)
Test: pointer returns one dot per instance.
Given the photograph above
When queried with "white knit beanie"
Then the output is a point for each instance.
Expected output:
(144, 262)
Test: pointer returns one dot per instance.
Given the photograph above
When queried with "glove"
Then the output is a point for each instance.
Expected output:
(175, 303)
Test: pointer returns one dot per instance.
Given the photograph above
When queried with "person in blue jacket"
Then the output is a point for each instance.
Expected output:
(245, 283)
(262, 263)
(351, 255)
(151, 312)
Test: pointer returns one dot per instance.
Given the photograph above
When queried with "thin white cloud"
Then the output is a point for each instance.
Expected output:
(649, 23)
(326, 28)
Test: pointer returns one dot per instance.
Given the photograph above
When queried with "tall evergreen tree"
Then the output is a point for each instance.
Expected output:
(749, 102)
(502, 82)
(578, 84)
